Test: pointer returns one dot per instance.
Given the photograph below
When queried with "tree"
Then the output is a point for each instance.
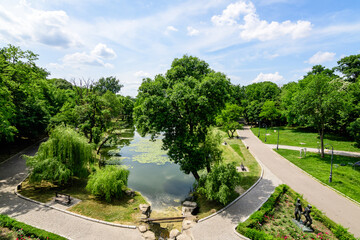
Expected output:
(350, 67)
(318, 101)
(354, 130)
(211, 149)
(269, 112)
(220, 183)
(229, 118)
(65, 154)
(108, 84)
(182, 105)
(108, 183)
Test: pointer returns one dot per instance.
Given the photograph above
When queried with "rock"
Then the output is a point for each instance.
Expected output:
(143, 228)
(174, 233)
(145, 209)
(149, 235)
(143, 216)
(187, 224)
(130, 193)
(189, 204)
(183, 237)
(130, 201)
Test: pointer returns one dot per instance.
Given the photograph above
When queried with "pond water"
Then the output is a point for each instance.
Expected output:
(151, 172)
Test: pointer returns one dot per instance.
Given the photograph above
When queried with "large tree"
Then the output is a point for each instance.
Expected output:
(318, 101)
(229, 119)
(182, 105)
(350, 67)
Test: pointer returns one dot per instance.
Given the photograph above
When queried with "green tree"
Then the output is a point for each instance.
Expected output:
(182, 105)
(65, 154)
(350, 67)
(108, 183)
(108, 84)
(229, 118)
(220, 183)
(354, 130)
(269, 112)
(318, 101)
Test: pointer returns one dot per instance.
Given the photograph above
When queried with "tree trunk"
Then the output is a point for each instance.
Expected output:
(196, 175)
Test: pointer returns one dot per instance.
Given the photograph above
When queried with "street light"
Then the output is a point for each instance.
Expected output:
(332, 155)
(265, 132)
(277, 146)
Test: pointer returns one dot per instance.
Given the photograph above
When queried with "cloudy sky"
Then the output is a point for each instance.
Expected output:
(249, 41)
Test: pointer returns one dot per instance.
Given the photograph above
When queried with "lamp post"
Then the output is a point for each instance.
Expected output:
(332, 155)
(277, 146)
(265, 132)
(259, 128)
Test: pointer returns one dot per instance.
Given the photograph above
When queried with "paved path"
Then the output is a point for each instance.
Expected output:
(335, 206)
(342, 153)
(12, 172)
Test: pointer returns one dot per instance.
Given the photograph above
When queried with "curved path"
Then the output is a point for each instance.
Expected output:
(12, 172)
(221, 226)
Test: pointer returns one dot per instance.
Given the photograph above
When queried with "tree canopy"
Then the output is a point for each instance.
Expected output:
(182, 105)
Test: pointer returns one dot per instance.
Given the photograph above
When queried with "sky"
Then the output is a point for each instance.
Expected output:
(249, 41)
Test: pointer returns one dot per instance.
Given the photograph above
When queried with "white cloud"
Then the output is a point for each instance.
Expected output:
(101, 50)
(171, 28)
(252, 27)
(321, 57)
(272, 77)
(192, 31)
(141, 74)
(26, 24)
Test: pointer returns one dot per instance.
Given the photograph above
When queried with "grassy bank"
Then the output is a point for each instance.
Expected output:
(122, 211)
(304, 138)
(345, 179)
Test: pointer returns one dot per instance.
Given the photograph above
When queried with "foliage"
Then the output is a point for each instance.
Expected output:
(229, 118)
(65, 154)
(220, 183)
(354, 130)
(269, 112)
(108, 183)
(182, 105)
(11, 223)
(350, 67)
(108, 84)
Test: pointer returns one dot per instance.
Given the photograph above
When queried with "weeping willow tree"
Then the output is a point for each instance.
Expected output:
(64, 155)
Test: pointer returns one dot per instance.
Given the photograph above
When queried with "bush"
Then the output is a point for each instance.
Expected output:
(27, 230)
(354, 130)
(108, 183)
(64, 155)
(220, 183)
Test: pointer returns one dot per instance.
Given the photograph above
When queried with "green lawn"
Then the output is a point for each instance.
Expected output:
(304, 138)
(345, 178)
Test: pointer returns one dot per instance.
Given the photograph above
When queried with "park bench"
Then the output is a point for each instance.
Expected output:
(62, 198)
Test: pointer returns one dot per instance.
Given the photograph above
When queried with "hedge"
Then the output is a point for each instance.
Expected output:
(28, 230)
(250, 228)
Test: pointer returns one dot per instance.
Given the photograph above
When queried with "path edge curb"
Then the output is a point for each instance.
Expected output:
(68, 212)
(242, 195)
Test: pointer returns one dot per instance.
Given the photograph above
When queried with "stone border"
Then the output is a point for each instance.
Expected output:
(242, 195)
(337, 191)
(70, 213)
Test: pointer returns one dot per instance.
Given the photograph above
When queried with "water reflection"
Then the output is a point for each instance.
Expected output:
(151, 172)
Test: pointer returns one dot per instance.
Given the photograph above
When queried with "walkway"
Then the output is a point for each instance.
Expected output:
(12, 172)
(336, 152)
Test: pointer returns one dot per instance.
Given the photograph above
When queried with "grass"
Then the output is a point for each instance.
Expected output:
(122, 211)
(274, 220)
(345, 179)
(234, 151)
(304, 138)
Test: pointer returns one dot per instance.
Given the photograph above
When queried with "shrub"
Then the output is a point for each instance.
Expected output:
(108, 183)
(64, 155)
(24, 229)
(220, 183)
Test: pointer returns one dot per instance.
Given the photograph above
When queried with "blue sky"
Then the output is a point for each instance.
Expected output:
(249, 41)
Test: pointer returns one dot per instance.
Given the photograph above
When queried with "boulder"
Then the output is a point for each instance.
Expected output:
(145, 209)
(143, 228)
(130, 193)
(189, 204)
(149, 235)
(188, 208)
(187, 224)
(174, 233)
